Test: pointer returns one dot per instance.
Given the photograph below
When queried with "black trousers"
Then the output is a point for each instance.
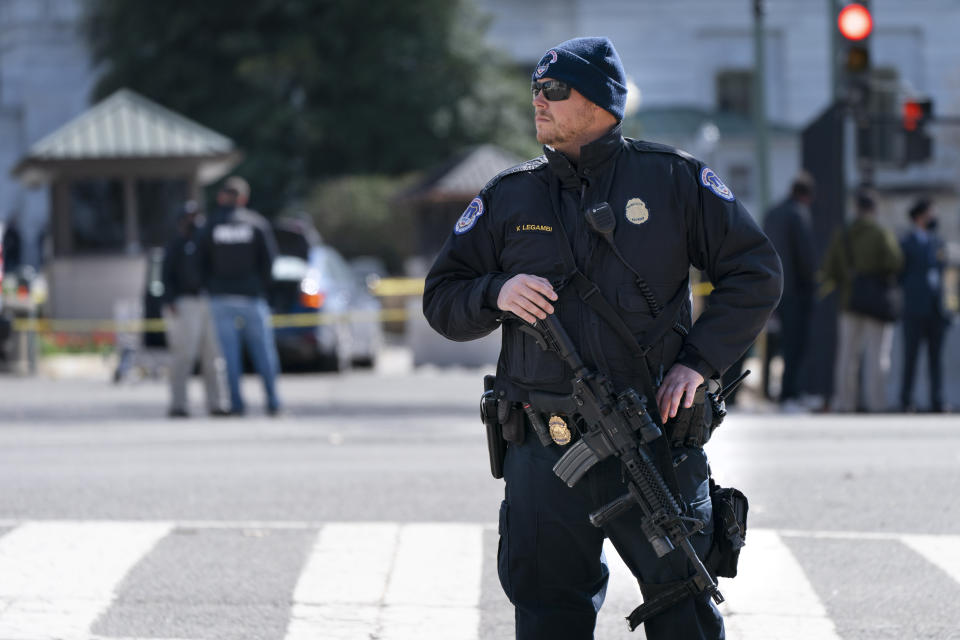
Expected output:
(549, 559)
(917, 329)
(794, 315)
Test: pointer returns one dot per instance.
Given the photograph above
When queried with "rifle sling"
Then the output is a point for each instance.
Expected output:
(591, 295)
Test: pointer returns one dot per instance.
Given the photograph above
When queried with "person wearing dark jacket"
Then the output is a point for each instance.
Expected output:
(503, 265)
(238, 248)
(789, 228)
(862, 247)
(12, 245)
(925, 318)
(190, 330)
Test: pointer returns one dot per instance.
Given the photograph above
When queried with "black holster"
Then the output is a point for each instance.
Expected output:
(496, 445)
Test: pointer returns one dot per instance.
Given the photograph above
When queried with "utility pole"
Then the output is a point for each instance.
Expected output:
(760, 108)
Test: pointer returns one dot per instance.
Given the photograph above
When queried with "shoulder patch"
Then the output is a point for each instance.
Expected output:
(470, 216)
(712, 181)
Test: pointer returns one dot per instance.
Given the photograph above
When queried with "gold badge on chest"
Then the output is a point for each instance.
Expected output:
(636, 211)
(559, 431)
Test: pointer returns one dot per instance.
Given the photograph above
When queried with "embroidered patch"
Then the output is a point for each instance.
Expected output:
(712, 181)
(541, 228)
(637, 211)
(545, 62)
(469, 218)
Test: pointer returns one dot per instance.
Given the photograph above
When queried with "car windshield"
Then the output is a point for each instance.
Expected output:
(292, 243)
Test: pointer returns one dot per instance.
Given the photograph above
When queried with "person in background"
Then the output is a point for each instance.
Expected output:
(863, 247)
(925, 318)
(12, 246)
(789, 228)
(238, 248)
(186, 310)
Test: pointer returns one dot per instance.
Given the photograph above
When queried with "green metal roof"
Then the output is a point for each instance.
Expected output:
(128, 125)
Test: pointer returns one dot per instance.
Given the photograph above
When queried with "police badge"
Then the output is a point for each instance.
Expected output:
(559, 431)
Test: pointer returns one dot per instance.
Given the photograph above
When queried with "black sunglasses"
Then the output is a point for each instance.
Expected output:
(552, 89)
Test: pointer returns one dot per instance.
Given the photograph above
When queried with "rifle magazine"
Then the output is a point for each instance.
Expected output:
(574, 463)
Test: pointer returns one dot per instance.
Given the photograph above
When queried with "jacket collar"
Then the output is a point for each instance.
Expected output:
(594, 157)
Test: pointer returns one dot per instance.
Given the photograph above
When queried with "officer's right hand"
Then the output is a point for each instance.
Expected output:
(527, 296)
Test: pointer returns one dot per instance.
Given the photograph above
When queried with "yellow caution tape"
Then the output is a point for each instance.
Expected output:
(414, 287)
(399, 287)
(387, 287)
(314, 319)
(702, 289)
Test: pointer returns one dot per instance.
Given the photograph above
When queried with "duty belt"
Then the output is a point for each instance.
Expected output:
(551, 428)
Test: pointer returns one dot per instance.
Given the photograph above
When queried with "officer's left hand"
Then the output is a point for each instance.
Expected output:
(680, 381)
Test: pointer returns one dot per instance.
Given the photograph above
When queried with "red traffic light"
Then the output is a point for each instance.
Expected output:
(855, 22)
(915, 113)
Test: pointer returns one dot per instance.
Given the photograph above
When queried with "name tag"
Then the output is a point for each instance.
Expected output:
(535, 228)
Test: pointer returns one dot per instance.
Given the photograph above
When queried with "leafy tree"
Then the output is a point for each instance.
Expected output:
(360, 216)
(316, 88)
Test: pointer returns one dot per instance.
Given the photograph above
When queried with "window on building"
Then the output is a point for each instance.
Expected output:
(740, 181)
(96, 216)
(735, 91)
(880, 139)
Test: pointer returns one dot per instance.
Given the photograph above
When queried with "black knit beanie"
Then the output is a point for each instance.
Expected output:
(592, 67)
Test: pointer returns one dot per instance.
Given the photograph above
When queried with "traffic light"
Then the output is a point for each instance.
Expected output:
(855, 24)
(917, 144)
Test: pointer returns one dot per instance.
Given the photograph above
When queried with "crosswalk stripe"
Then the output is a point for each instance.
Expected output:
(771, 596)
(341, 588)
(943, 551)
(395, 582)
(57, 577)
(434, 590)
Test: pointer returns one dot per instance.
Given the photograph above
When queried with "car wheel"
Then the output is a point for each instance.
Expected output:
(328, 362)
(365, 362)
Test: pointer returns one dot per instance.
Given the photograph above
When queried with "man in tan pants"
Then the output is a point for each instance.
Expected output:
(190, 330)
(863, 247)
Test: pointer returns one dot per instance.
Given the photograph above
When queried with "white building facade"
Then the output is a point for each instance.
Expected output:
(45, 79)
(700, 54)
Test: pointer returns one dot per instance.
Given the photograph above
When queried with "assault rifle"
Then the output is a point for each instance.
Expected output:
(618, 424)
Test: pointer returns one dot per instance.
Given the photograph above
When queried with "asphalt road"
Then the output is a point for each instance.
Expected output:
(208, 527)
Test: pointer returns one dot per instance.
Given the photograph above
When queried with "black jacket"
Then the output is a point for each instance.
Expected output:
(182, 267)
(922, 275)
(682, 215)
(789, 229)
(238, 248)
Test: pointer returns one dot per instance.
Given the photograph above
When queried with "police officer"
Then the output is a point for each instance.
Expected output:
(504, 261)
(238, 249)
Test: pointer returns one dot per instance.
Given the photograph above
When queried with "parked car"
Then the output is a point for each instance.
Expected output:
(311, 277)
